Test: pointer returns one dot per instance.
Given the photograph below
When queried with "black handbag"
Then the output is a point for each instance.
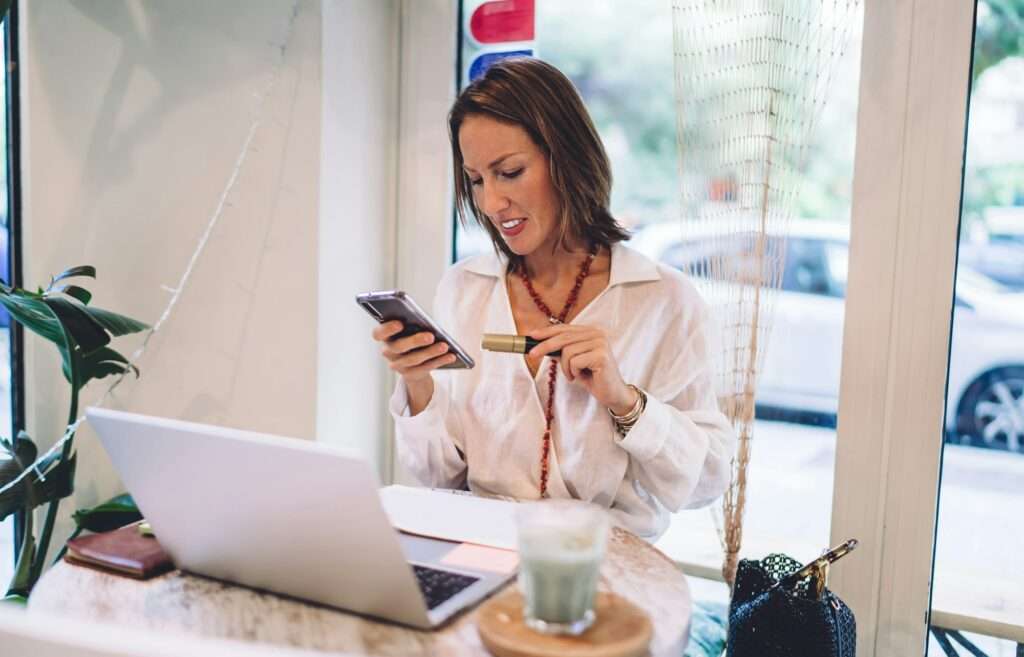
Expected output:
(781, 608)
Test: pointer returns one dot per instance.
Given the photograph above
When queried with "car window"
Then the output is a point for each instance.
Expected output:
(806, 270)
(729, 258)
(813, 265)
(972, 286)
(969, 281)
(692, 257)
(837, 260)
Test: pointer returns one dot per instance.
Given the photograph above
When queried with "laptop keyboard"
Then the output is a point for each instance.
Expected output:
(440, 585)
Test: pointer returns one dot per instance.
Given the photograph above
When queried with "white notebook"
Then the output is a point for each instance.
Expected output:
(451, 516)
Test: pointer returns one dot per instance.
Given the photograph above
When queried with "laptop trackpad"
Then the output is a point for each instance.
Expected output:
(485, 561)
(420, 549)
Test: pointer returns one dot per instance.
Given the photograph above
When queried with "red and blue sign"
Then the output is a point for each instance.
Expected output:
(501, 21)
(496, 30)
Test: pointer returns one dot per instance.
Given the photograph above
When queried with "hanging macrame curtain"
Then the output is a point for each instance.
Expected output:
(751, 78)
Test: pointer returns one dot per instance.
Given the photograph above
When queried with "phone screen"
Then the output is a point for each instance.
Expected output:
(397, 305)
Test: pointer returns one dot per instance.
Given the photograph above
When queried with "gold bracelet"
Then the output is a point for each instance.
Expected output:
(623, 423)
(624, 427)
(635, 410)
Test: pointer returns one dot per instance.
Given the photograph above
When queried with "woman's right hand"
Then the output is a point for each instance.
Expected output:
(413, 358)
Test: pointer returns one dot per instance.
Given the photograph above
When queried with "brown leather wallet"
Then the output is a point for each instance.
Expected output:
(123, 551)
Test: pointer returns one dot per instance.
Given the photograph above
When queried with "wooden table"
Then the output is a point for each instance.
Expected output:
(186, 603)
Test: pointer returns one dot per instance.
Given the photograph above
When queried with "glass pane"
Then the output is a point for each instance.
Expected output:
(979, 571)
(6, 425)
(621, 60)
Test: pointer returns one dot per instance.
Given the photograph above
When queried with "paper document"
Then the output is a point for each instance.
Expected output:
(440, 514)
(482, 557)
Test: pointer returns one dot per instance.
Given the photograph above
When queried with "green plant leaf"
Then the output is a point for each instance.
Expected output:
(21, 583)
(103, 362)
(58, 483)
(115, 512)
(33, 313)
(79, 293)
(117, 324)
(78, 324)
(48, 462)
(22, 454)
(81, 270)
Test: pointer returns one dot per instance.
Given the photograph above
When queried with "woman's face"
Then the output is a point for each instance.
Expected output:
(511, 182)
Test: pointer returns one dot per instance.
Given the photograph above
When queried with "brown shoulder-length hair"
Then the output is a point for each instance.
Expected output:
(537, 97)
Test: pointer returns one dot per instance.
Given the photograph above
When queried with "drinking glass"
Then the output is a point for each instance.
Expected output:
(561, 546)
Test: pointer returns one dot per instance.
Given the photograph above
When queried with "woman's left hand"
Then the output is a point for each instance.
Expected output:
(587, 359)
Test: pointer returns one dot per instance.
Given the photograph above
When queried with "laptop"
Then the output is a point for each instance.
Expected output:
(288, 516)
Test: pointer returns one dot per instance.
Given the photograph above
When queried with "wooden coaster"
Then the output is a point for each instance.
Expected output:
(621, 630)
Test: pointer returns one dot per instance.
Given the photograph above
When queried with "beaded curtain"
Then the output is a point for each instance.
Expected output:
(751, 79)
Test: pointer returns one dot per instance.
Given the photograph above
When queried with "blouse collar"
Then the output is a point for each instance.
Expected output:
(627, 266)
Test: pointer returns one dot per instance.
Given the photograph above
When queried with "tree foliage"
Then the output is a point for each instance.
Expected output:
(999, 33)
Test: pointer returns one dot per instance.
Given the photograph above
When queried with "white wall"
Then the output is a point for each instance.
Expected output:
(424, 247)
(385, 213)
(357, 220)
(424, 244)
(133, 116)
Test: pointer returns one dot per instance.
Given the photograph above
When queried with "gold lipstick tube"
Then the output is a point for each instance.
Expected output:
(515, 344)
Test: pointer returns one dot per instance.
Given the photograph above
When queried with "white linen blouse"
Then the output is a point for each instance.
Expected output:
(483, 427)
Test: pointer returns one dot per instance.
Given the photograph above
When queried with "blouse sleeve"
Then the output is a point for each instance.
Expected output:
(429, 444)
(682, 445)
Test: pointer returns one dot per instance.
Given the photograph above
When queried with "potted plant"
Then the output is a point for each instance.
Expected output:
(82, 333)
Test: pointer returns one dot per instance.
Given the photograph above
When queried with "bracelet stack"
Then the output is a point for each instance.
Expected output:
(623, 423)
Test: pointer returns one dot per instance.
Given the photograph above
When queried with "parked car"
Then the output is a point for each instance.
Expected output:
(1000, 260)
(985, 403)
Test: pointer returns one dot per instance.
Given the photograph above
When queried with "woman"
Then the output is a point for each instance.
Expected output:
(626, 417)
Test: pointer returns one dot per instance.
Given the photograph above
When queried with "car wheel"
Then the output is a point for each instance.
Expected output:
(992, 409)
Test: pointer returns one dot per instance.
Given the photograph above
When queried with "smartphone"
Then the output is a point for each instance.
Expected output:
(396, 304)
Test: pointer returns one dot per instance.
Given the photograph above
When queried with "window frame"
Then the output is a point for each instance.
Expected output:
(907, 190)
(14, 274)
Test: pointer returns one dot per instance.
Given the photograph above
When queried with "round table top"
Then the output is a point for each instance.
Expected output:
(181, 602)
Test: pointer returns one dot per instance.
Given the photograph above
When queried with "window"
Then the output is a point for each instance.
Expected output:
(7, 335)
(978, 573)
(622, 64)
(894, 296)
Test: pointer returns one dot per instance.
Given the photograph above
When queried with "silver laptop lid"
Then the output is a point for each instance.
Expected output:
(285, 515)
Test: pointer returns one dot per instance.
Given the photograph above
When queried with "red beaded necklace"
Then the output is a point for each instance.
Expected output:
(549, 414)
